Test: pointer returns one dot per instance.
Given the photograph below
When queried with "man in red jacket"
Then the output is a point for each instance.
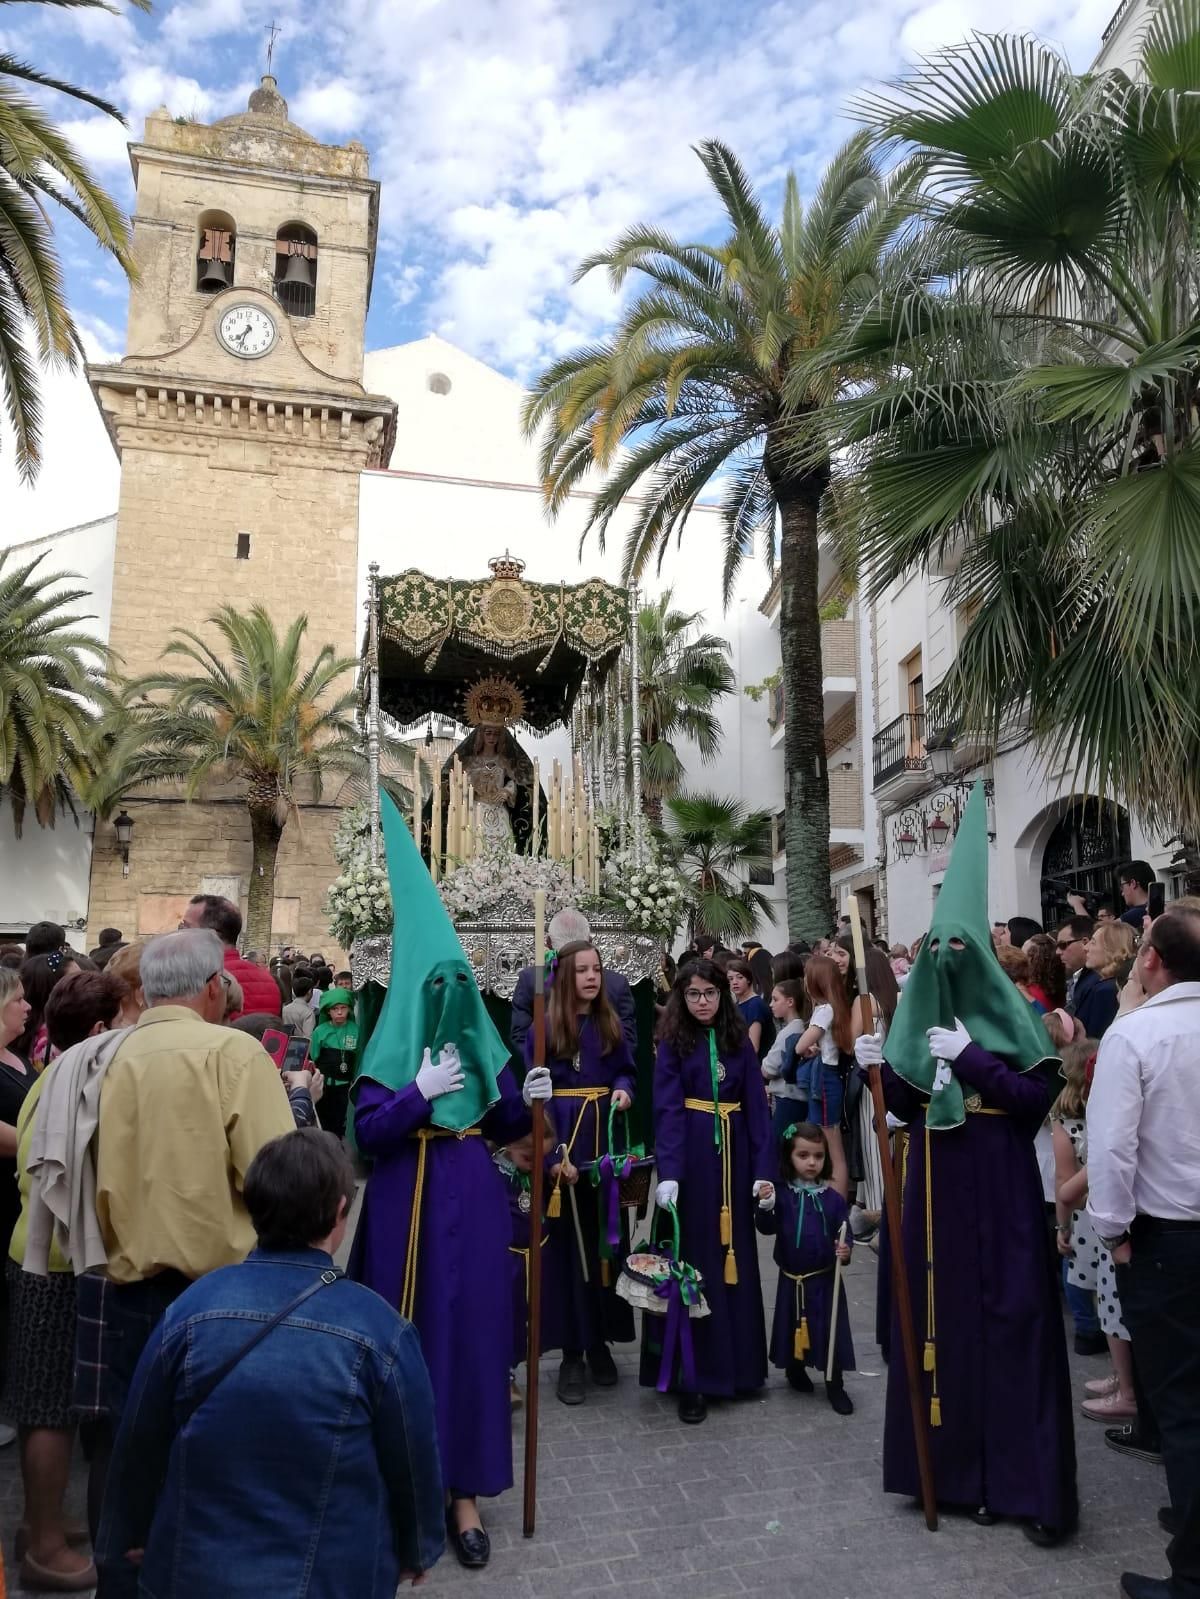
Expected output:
(259, 988)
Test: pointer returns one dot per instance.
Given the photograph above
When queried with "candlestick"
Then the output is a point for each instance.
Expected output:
(416, 801)
(555, 817)
(595, 859)
(535, 847)
(435, 829)
(539, 933)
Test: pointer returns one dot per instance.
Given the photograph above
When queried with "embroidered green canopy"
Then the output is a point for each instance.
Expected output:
(438, 636)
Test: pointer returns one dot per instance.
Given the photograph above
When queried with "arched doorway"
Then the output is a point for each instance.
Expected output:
(1083, 855)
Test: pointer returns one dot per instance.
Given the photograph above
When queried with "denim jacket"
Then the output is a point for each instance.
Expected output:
(310, 1472)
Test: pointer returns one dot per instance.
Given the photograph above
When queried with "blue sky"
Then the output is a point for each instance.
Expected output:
(512, 137)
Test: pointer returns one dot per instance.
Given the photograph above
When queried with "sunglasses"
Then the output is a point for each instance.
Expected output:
(1066, 943)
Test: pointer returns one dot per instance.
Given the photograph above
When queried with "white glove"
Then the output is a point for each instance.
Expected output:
(868, 1049)
(765, 1194)
(667, 1193)
(537, 1085)
(894, 1124)
(948, 1043)
(444, 1078)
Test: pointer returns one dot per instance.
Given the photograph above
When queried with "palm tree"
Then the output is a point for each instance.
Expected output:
(709, 380)
(1040, 422)
(714, 841)
(683, 673)
(51, 682)
(257, 715)
(37, 165)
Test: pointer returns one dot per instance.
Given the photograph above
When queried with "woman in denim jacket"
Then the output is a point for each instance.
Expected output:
(310, 1467)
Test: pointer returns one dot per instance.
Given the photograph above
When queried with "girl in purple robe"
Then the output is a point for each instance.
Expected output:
(807, 1222)
(714, 1156)
(591, 1068)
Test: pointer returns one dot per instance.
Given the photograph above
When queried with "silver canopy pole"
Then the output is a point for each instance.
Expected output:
(639, 832)
(373, 702)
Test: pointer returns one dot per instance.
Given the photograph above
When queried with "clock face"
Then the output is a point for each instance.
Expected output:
(246, 330)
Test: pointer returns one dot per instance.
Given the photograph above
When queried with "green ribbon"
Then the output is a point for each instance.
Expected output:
(714, 1062)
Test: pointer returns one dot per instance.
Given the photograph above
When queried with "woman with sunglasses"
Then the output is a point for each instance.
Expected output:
(715, 1163)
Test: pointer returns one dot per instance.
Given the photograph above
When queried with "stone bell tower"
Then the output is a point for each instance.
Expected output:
(242, 426)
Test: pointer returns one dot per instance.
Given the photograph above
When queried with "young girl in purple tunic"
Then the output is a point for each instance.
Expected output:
(592, 1070)
(807, 1222)
(713, 1149)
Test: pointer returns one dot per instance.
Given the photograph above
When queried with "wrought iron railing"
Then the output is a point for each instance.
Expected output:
(899, 747)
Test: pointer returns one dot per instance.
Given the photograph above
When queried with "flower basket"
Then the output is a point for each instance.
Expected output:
(651, 1272)
(629, 1169)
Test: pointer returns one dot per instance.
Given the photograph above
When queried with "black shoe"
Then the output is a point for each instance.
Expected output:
(1168, 1520)
(983, 1517)
(473, 1548)
(572, 1382)
(1128, 1441)
(1091, 1344)
(692, 1408)
(1039, 1533)
(603, 1367)
(839, 1398)
(798, 1377)
(1135, 1587)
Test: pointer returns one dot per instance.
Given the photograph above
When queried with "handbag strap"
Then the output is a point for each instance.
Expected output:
(329, 1275)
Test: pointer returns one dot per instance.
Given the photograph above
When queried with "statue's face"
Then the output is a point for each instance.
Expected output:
(490, 739)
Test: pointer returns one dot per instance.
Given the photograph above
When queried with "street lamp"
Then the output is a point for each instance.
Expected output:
(123, 827)
(906, 844)
(938, 829)
(940, 751)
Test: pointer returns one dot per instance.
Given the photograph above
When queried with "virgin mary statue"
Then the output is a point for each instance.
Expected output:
(500, 772)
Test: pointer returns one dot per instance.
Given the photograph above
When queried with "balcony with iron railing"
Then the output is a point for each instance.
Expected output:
(898, 761)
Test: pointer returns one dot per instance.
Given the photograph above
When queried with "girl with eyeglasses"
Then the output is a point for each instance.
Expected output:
(714, 1153)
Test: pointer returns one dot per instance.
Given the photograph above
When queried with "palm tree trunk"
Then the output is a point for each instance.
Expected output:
(265, 831)
(652, 808)
(806, 779)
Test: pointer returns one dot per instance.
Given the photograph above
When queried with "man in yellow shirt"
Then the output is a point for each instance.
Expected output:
(185, 1107)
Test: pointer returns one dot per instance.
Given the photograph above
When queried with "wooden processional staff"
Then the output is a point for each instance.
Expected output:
(891, 1205)
(535, 1219)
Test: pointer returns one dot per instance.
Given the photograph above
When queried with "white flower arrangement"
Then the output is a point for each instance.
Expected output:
(500, 873)
(652, 897)
(352, 837)
(359, 903)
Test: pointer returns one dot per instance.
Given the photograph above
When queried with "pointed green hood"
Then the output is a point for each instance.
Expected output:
(432, 996)
(968, 983)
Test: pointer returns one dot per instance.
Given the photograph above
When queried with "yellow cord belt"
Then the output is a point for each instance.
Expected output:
(515, 1249)
(588, 1096)
(724, 1109)
(408, 1293)
(801, 1342)
(930, 1361)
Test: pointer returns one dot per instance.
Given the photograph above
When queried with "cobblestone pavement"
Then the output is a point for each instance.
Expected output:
(771, 1496)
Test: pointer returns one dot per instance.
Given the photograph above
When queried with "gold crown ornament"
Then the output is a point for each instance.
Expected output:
(493, 702)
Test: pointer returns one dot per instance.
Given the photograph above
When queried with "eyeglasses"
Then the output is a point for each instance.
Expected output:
(1066, 943)
(701, 996)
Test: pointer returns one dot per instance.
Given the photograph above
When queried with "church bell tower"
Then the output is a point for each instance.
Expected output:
(242, 426)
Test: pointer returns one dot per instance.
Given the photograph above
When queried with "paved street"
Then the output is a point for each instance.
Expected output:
(773, 1496)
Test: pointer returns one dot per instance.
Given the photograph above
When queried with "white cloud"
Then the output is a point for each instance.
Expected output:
(100, 140)
(330, 108)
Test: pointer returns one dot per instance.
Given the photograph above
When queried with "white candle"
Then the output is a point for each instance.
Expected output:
(534, 847)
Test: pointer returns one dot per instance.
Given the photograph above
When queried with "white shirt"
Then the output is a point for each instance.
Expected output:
(1143, 1114)
(822, 1017)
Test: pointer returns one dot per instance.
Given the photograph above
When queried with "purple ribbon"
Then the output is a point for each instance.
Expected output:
(609, 1176)
(680, 1292)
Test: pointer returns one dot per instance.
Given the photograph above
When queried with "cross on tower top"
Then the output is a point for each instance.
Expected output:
(273, 30)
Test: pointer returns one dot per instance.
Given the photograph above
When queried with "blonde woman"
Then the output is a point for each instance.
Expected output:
(127, 965)
(1109, 954)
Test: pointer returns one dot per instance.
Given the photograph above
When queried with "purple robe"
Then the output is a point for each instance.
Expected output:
(824, 1214)
(463, 1307)
(590, 1313)
(731, 1343)
(1006, 1438)
(520, 1237)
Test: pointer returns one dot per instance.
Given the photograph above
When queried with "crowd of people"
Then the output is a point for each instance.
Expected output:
(179, 1126)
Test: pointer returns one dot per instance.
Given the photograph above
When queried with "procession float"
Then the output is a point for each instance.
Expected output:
(504, 658)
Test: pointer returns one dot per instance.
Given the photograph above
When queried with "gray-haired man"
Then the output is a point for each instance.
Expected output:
(570, 926)
(185, 1107)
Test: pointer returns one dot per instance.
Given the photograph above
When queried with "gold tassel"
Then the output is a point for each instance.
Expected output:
(935, 1412)
(731, 1275)
(726, 1227)
(802, 1342)
(930, 1363)
(554, 1208)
